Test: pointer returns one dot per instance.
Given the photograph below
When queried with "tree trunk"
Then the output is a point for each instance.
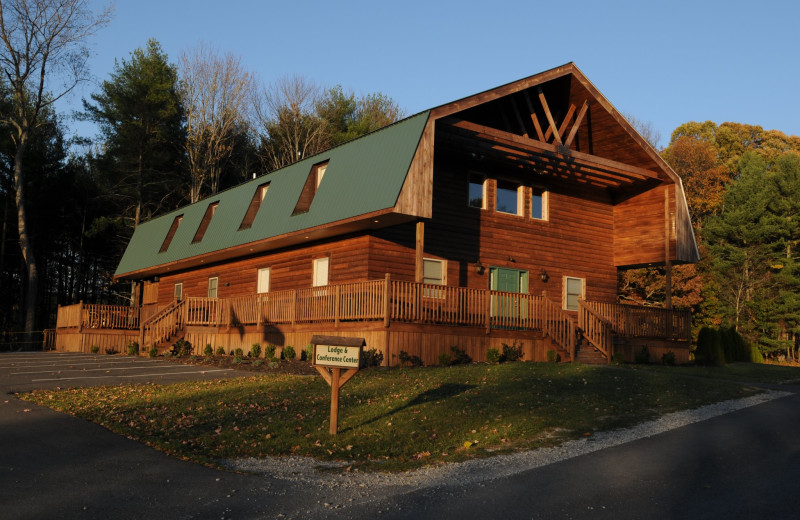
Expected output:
(25, 242)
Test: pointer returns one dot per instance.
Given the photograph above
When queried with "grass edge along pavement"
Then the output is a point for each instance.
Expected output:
(391, 419)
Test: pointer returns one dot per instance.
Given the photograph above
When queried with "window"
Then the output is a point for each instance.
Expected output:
(508, 197)
(433, 272)
(320, 275)
(263, 280)
(477, 192)
(538, 203)
(573, 290)
(255, 205)
(201, 229)
(310, 188)
(178, 292)
(213, 283)
(171, 233)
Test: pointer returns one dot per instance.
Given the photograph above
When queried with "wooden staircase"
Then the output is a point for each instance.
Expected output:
(588, 354)
(166, 327)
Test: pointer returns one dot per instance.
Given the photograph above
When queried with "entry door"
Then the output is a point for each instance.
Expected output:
(510, 309)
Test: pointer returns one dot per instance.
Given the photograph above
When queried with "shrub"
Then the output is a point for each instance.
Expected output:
(110, 351)
(512, 352)
(444, 358)
(552, 356)
(492, 355)
(153, 352)
(220, 350)
(133, 348)
(95, 349)
(755, 355)
(309, 353)
(668, 358)
(208, 351)
(288, 352)
(414, 361)
(643, 356)
(371, 358)
(735, 346)
(618, 358)
(709, 348)
(167, 354)
(238, 353)
(237, 360)
(258, 362)
(182, 348)
(460, 356)
(269, 351)
(255, 350)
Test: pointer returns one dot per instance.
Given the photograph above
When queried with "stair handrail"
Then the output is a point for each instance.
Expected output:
(173, 315)
(558, 325)
(596, 329)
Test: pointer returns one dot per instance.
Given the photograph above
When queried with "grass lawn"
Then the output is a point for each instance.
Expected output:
(395, 419)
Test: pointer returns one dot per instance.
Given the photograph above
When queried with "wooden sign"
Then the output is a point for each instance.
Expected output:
(337, 359)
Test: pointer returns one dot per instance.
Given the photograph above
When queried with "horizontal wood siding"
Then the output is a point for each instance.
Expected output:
(640, 230)
(289, 269)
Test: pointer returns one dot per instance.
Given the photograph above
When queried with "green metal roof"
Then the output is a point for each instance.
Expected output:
(363, 176)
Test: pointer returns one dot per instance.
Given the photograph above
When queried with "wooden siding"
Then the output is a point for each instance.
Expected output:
(639, 228)
(289, 269)
(415, 197)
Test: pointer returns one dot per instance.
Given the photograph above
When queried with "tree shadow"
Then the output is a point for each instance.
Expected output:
(443, 391)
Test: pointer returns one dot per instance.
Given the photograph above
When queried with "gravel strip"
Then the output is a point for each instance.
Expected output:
(304, 469)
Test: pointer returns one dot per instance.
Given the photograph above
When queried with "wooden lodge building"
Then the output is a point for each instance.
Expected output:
(502, 216)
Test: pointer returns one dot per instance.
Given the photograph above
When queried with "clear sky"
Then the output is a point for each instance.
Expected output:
(663, 62)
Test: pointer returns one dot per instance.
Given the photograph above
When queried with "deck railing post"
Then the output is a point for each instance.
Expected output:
(337, 294)
(80, 316)
(387, 289)
(487, 310)
(294, 307)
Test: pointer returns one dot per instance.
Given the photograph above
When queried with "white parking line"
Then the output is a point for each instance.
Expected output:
(107, 369)
(137, 375)
(72, 365)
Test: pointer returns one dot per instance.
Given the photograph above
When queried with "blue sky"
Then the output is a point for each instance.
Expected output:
(663, 62)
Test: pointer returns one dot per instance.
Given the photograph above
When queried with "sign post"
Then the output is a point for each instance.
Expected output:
(337, 359)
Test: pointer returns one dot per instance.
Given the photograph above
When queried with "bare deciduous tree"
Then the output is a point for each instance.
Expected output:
(646, 129)
(43, 56)
(291, 128)
(216, 93)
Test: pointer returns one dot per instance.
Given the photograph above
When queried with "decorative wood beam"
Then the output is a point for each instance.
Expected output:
(567, 119)
(535, 119)
(519, 118)
(550, 150)
(549, 116)
(578, 121)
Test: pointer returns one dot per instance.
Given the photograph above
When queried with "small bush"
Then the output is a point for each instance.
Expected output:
(406, 359)
(167, 354)
(643, 356)
(755, 355)
(512, 352)
(237, 360)
(668, 358)
(182, 348)
(255, 350)
(208, 351)
(492, 355)
(238, 353)
(110, 351)
(220, 351)
(258, 362)
(444, 358)
(269, 351)
(618, 358)
(288, 352)
(153, 352)
(133, 348)
(308, 353)
(95, 349)
(552, 356)
(709, 348)
(460, 356)
(371, 358)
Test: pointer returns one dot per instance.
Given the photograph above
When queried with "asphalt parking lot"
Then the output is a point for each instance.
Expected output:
(20, 372)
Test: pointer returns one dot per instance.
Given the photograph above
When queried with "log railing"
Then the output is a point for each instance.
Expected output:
(646, 322)
(92, 316)
(596, 329)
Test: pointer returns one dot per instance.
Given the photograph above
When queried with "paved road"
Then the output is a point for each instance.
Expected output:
(738, 466)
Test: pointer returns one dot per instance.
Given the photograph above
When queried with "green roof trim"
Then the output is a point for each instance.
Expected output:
(363, 176)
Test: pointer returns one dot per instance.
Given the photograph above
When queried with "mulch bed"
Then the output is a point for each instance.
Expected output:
(283, 366)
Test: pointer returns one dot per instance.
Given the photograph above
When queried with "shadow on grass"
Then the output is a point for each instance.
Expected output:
(444, 391)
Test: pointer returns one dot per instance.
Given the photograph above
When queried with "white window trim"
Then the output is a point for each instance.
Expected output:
(216, 287)
(263, 278)
(434, 293)
(177, 291)
(545, 203)
(315, 280)
(582, 294)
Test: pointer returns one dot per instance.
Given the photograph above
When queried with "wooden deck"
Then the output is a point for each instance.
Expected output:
(379, 305)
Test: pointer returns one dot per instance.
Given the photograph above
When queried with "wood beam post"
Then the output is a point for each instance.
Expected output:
(549, 115)
(418, 274)
(667, 262)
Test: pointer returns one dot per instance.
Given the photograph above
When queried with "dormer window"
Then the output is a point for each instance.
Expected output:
(310, 188)
(201, 230)
(171, 233)
(255, 205)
